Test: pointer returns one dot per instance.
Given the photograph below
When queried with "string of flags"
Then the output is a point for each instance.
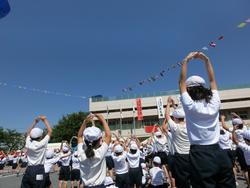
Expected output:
(163, 73)
(42, 91)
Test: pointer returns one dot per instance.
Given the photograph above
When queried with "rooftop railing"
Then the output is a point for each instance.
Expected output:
(100, 98)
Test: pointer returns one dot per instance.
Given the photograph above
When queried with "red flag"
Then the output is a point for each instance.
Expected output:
(139, 109)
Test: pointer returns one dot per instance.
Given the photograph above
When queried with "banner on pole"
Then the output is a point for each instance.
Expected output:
(139, 109)
(160, 107)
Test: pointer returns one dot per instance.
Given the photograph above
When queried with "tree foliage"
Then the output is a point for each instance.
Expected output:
(11, 139)
(68, 126)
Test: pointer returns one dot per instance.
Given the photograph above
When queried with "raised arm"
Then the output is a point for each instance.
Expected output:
(82, 128)
(33, 125)
(167, 114)
(234, 137)
(210, 70)
(183, 75)
(234, 115)
(226, 127)
(105, 127)
(46, 123)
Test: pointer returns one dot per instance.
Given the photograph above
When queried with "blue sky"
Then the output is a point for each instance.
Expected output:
(99, 47)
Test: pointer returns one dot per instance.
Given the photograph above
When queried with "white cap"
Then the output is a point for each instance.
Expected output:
(195, 81)
(178, 113)
(92, 134)
(36, 133)
(158, 133)
(133, 147)
(157, 160)
(108, 181)
(49, 154)
(143, 165)
(65, 148)
(237, 121)
(118, 149)
(246, 134)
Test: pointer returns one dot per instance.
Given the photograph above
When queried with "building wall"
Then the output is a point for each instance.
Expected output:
(233, 100)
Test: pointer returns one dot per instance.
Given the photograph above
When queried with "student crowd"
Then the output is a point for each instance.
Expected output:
(192, 148)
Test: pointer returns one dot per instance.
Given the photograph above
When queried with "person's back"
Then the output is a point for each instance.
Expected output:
(210, 165)
(36, 147)
(202, 119)
(36, 150)
(92, 151)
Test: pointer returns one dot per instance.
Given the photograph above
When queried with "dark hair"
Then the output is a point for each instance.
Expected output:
(133, 151)
(198, 93)
(156, 164)
(36, 139)
(240, 126)
(180, 119)
(90, 148)
(118, 153)
(222, 132)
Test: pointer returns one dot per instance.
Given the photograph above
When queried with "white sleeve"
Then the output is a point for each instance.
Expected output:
(103, 150)
(172, 125)
(44, 141)
(81, 152)
(215, 101)
(187, 101)
(244, 147)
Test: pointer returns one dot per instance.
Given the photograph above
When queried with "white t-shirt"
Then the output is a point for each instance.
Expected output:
(24, 159)
(49, 163)
(65, 161)
(109, 152)
(133, 159)
(145, 175)
(170, 143)
(93, 171)
(75, 163)
(224, 141)
(202, 119)
(120, 163)
(15, 160)
(246, 149)
(36, 150)
(161, 144)
(3, 160)
(157, 176)
(180, 139)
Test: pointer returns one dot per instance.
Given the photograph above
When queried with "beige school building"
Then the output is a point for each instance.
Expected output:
(121, 112)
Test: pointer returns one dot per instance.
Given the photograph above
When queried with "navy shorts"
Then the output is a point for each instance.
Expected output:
(64, 174)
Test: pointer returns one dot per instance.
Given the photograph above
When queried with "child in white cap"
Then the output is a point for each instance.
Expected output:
(245, 146)
(92, 151)
(238, 124)
(64, 173)
(75, 170)
(157, 176)
(50, 160)
(210, 165)
(180, 142)
(135, 172)
(36, 147)
(119, 157)
(145, 175)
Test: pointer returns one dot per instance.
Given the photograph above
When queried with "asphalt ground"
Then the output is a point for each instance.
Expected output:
(14, 181)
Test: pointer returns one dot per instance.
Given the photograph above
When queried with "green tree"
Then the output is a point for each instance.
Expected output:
(68, 126)
(11, 139)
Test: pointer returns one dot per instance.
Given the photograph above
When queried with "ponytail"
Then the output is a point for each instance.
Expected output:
(198, 93)
(89, 152)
